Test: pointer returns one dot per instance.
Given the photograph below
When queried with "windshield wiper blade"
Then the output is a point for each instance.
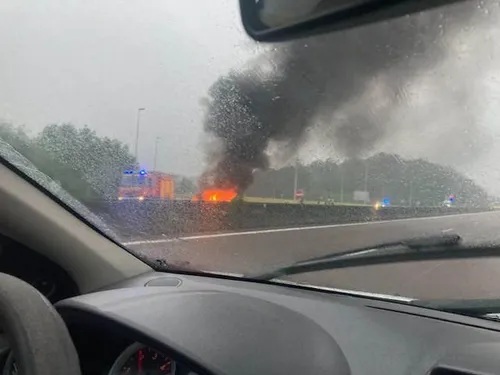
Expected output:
(446, 246)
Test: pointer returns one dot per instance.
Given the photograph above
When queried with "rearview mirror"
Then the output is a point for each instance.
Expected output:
(278, 20)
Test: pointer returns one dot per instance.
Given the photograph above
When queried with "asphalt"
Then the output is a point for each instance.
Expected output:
(258, 251)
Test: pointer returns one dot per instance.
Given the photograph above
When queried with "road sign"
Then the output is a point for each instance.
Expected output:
(299, 194)
(362, 196)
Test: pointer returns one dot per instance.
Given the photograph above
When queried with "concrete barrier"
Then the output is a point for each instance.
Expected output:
(138, 219)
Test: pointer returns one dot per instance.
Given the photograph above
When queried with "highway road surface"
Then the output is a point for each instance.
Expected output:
(260, 250)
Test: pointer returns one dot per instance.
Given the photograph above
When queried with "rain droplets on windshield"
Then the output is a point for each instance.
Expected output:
(174, 129)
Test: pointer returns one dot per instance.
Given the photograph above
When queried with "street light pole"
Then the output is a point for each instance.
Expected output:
(367, 195)
(156, 152)
(295, 179)
(139, 110)
(366, 175)
(410, 198)
(341, 183)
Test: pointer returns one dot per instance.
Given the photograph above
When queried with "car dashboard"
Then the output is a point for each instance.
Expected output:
(117, 354)
(185, 324)
(160, 323)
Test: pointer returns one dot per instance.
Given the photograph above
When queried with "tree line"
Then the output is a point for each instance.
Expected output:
(87, 166)
(90, 167)
(404, 182)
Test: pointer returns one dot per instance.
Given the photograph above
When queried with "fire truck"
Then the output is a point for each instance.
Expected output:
(142, 184)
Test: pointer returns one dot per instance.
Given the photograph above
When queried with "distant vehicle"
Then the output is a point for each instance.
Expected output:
(385, 202)
(382, 204)
(141, 185)
(446, 203)
(449, 201)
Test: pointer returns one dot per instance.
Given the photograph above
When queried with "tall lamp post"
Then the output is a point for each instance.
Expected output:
(295, 178)
(139, 110)
(341, 167)
(156, 152)
(366, 175)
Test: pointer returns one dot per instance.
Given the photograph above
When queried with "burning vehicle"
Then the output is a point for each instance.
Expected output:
(141, 185)
(216, 195)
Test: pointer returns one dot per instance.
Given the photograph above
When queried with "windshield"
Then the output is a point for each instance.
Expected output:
(165, 126)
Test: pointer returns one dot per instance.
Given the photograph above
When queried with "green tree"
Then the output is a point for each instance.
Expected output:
(69, 179)
(387, 175)
(99, 160)
(85, 165)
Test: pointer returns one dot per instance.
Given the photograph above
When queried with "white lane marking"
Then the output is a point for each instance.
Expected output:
(447, 230)
(279, 230)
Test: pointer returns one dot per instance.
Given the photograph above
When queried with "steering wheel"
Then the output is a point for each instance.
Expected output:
(39, 339)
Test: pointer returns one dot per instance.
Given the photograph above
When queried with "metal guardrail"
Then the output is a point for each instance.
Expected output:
(177, 218)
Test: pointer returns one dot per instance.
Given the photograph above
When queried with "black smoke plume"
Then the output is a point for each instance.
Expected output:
(295, 86)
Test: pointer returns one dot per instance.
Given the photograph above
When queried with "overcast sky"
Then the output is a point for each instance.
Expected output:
(95, 62)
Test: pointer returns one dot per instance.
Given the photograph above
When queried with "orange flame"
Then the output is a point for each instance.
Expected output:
(216, 195)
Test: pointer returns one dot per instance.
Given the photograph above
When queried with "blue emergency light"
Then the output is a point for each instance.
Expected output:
(142, 172)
